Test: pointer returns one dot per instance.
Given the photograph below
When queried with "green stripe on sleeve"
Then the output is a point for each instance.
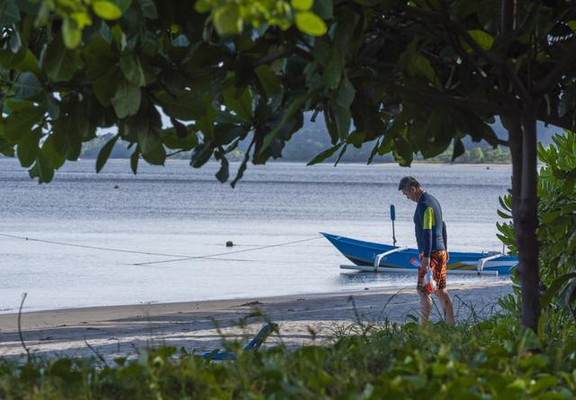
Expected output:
(429, 219)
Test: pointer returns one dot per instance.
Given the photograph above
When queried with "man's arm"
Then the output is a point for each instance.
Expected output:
(429, 221)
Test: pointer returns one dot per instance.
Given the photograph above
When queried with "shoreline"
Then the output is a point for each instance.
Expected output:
(114, 331)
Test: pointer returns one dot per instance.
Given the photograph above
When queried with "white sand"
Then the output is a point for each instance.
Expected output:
(306, 319)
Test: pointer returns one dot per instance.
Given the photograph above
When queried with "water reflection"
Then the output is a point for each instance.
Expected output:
(386, 279)
(400, 280)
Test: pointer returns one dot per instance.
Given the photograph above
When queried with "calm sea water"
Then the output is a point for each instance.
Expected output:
(88, 234)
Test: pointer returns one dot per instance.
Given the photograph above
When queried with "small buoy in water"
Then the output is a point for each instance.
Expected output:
(487, 167)
(116, 187)
(229, 243)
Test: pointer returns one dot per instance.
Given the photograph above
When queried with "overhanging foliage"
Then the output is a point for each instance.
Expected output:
(407, 76)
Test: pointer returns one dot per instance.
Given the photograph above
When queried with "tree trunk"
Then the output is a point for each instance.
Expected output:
(523, 145)
(527, 224)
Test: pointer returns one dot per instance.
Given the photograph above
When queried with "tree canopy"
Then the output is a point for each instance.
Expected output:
(405, 77)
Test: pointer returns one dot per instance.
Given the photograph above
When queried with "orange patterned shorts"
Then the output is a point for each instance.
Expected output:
(438, 260)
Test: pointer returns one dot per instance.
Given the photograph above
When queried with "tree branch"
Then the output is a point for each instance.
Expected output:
(495, 60)
(559, 69)
(507, 12)
(565, 122)
(486, 55)
(268, 58)
(451, 100)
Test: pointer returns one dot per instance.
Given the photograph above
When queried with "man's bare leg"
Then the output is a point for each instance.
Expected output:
(425, 307)
(447, 306)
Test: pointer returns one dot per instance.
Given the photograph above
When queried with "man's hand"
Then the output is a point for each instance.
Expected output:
(425, 263)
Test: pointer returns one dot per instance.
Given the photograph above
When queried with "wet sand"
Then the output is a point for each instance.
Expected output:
(110, 332)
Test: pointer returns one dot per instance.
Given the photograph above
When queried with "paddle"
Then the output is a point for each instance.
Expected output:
(393, 218)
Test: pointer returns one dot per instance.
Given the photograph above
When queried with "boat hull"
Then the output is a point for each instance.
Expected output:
(363, 253)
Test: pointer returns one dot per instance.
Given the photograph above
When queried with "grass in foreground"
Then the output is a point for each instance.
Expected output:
(493, 359)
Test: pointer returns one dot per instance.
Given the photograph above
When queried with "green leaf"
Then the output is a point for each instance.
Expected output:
(268, 79)
(310, 23)
(343, 121)
(124, 5)
(403, 151)
(99, 58)
(71, 34)
(227, 19)
(156, 157)
(458, 149)
(555, 288)
(52, 154)
(201, 154)
(15, 42)
(421, 66)
(149, 9)
(132, 69)
(484, 40)
(240, 101)
(325, 154)
(224, 172)
(302, 5)
(28, 147)
(42, 169)
(134, 160)
(9, 13)
(334, 69)
(503, 215)
(373, 153)
(342, 152)
(104, 153)
(293, 107)
(174, 140)
(21, 121)
(66, 139)
(105, 87)
(59, 62)
(106, 10)
(543, 383)
(179, 128)
(8, 59)
(203, 6)
(356, 139)
(346, 93)
(149, 140)
(127, 99)
(29, 64)
(242, 167)
(27, 85)
(183, 105)
(324, 9)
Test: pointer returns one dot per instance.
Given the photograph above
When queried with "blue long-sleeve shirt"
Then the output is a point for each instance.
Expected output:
(430, 227)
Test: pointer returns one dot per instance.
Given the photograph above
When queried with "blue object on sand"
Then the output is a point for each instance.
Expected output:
(253, 345)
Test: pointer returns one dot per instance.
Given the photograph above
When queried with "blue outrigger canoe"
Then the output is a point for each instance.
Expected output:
(376, 257)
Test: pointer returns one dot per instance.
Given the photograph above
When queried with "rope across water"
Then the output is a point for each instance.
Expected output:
(176, 257)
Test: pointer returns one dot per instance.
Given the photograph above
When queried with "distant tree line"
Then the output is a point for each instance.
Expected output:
(308, 143)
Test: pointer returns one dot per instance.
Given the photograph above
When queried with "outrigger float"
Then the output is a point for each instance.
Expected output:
(376, 257)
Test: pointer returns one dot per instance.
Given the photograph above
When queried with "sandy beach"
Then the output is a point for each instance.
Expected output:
(203, 326)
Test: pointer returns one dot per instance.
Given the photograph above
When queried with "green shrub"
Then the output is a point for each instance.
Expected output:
(557, 215)
(494, 359)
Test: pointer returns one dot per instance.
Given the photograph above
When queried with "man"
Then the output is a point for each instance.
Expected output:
(432, 245)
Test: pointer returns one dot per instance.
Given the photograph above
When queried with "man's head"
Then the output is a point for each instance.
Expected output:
(410, 188)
